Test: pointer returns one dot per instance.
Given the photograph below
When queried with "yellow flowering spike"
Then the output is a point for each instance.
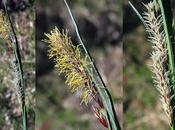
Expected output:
(4, 26)
(68, 60)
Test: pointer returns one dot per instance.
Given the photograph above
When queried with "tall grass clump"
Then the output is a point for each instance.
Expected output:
(82, 76)
(7, 33)
(157, 20)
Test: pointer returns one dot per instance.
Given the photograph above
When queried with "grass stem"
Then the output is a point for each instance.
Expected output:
(104, 93)
(167, 23)
(165, 6)
(16, 50)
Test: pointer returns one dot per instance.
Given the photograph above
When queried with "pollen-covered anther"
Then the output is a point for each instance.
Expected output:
(4, 26)
(68, 60)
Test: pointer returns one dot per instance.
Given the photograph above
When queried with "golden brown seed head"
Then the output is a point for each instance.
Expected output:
(68, 60)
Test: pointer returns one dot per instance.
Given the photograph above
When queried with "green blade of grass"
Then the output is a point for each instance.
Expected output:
(165, 7)
(16, 50)
(113, 122)
(138, 14)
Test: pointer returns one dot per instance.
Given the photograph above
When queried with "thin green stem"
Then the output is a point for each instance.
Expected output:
(24, 117)
(173, 126)
(165, 6)
(169, 39)
(104, 93)
(14, 40)
(138, 14)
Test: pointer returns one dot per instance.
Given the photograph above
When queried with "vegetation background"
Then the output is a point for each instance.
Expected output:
(142, 107)
(22, 14)
(100, 24)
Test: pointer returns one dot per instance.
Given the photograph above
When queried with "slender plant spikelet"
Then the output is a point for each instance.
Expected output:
(16, 81)
(81, 73)
(159, 57)
(68, 60)
(155, 24)
(8, 34)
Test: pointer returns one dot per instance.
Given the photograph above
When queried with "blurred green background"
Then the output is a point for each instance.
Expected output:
(142, 107)
(100, 24)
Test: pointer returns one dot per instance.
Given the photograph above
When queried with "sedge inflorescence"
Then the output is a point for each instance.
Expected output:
(4, 26)
(68, 60)
(154, 27)
(5, 30)
(16, 81)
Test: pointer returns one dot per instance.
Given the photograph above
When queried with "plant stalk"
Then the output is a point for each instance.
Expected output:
(165, 6)
(168, 27)
(24, 117)
(104, 93)
(16, 50)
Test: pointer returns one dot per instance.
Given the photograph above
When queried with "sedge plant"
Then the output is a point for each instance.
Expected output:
(158, 22)
(7, 33)
(82, 76)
